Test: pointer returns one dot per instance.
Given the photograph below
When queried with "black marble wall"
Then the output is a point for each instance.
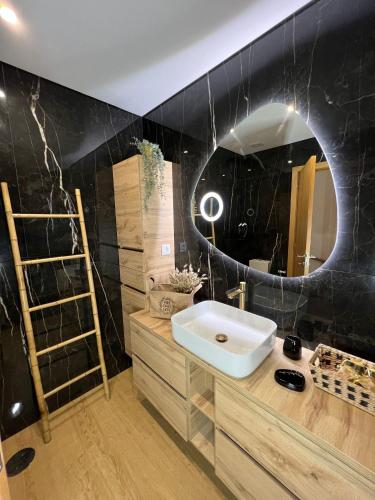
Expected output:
(321, 60)
(53, 140)
(256, 193)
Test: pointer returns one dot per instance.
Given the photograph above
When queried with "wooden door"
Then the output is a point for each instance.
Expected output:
(301, 211)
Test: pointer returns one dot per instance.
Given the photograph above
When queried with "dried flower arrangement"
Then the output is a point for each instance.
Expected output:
(187, 280)
(178, 294)
(153, 168)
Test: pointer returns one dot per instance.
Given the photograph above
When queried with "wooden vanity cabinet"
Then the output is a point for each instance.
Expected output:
(163, 359)
(257, 452)
(303, 467)
(242, 474)
(168, 402)
(140, 235)
(159, 373)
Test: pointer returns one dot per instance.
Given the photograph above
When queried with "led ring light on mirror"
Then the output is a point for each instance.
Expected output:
(218, 198)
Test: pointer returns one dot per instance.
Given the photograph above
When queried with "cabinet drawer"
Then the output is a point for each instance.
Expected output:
(161, 357)
(131, 259)
(132, 301)
(172, 406)
(129, 231)
(132, 278)
(302, 466)
(243, 476)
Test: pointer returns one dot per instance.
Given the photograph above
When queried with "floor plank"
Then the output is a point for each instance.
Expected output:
(117, 449)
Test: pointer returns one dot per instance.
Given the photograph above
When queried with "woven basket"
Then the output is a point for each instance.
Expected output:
(326, 377)
(165, 301)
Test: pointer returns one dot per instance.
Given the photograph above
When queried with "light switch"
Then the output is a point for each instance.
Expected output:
(165, 249)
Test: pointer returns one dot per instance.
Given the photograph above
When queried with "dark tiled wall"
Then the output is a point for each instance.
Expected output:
(53, 140)
(322, 61)
(256, 192)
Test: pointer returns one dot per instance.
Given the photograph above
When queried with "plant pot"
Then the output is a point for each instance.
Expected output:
(165, 301)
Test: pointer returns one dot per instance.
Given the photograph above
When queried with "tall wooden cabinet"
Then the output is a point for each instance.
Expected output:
(141, 234)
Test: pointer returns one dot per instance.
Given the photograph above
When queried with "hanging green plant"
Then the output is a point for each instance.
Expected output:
(153, 167)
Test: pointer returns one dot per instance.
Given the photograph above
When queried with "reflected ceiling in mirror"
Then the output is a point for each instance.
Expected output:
(266, 197)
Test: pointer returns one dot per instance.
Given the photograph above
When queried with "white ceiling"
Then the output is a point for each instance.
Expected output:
(133, 54)
(270, 126)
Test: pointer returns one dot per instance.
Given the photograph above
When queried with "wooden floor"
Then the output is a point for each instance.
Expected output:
(117, 449)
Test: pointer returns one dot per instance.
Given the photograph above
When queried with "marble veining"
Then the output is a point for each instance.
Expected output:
(321, 61)
(54, 140)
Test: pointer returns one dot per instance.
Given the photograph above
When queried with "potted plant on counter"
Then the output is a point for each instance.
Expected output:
(178, 294)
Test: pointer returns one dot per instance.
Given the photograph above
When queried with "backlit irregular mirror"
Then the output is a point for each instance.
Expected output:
(266, 197)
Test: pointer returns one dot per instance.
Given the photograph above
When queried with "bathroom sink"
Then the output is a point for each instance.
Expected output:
(233, 341)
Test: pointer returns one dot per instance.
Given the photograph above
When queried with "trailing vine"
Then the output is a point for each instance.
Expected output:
(153, 167)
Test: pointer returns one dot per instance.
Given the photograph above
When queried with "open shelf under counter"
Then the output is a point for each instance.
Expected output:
(201, 391)
(202, 434)
(203, 441)
(205, 403)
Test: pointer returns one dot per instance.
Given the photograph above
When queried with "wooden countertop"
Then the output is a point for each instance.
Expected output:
(333, 424)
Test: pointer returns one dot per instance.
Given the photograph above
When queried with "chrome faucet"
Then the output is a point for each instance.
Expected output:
(240, 292)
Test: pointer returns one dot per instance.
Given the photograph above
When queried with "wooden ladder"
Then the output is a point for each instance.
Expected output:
(27, 310)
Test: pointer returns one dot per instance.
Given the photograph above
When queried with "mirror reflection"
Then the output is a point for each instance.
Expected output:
(266, 197)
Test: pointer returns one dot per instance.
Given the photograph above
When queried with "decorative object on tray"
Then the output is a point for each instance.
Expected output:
(153, 168)
(345, 376)
(178, 294)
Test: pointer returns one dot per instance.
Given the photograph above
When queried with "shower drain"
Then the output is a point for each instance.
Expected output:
(20, 461)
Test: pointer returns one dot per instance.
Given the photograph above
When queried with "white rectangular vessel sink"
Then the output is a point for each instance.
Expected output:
(248, 338)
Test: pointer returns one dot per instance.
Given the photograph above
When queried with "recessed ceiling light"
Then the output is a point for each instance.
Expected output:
(8, 15)
(203, 179)
(223, 175)
(2, 94)
(231, 130)
(249, 169)
(290, 108)
(290, 161)
(186, 152)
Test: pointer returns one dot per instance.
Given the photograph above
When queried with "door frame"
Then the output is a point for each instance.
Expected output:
(323, 165)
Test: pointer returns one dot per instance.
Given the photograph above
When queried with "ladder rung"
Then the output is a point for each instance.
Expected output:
(66, 342)
(51, 259)
(70, 382)
(45, 216)
(58, 302)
